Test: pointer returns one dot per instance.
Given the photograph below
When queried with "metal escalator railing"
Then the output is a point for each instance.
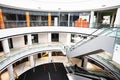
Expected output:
(108, 67)
(83, 39)
(104, 32)
(96, 75)
(93, 35)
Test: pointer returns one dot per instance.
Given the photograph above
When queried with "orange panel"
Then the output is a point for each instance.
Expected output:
(80, 22)
(84, 24)
(76, 23)
(2, 26)
(28, 19)
(49, 19)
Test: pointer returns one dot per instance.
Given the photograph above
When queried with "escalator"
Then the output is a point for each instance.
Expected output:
(101, 41)
(93, 75)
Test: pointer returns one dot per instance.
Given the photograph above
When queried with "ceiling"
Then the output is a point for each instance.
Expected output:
(62, 5)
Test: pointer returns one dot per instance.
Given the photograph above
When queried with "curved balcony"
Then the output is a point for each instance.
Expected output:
(17, 54)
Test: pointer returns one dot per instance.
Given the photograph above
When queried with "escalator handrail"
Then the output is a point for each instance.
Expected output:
(116, 74)
(94, 36)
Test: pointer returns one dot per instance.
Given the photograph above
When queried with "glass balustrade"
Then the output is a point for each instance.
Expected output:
(16, 54)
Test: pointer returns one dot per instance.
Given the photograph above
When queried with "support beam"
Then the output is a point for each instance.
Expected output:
(117, 19)
(91, 19)
(2, 26)
(6, 47)
(49, 19)
(10, 72)
(28, 19)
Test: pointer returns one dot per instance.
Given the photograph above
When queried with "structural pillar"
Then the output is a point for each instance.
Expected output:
(28, 19)
(97, 19)
(112, 20)
(2, 26)
(49, 38)
(68, 19)
(117, 19)
(91, 19)
(29, 38)
(84, 62)
(49, 56)
(49, 19)
(6, 47)
(11, 72)
(55, 21)
(31, 58)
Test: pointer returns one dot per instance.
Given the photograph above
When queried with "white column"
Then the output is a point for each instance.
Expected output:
(68, 19)
(112, 20)
(29, 38)
(10, 72)
(97, 19)
(49, 56)
(55, 21)
(49, 38)
(117, 19)
(84, 62)
(31, 59)
(91, 19)
(68, 39)
(6, 46)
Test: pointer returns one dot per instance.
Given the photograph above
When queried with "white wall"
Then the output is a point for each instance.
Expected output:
(42, 37)
(18, 42)
(116, 54)
(62, 38)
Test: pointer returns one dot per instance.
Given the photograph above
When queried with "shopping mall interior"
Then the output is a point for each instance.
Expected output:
(59, 40)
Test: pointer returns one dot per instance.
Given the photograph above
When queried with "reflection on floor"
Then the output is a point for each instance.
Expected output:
(39, 61)
(49, 71)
